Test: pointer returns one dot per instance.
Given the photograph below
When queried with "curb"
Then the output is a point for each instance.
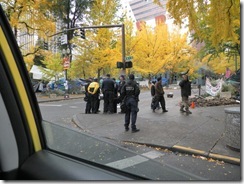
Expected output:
(58, 99)
(224, 158)
(191, 151)
(181, 149)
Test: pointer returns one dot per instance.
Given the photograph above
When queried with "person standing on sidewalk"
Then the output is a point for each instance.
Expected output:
(121, 84)
(94, 91)
(185, 86)
(153, 96)
(108, 95)
(159, 95)
(88, 97)
(130, 93)
(116, 87)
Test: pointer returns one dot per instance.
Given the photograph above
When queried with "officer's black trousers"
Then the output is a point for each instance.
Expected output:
(131, 112)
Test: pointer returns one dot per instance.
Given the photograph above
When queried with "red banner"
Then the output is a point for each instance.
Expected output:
(66, 63)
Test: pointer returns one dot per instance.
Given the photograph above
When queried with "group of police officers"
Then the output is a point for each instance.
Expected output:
(126, 92)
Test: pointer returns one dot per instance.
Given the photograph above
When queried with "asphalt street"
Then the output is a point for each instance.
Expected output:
(153, 125)
(202, 132)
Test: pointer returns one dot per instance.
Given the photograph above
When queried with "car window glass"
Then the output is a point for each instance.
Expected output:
(84, 146)
(8, 146)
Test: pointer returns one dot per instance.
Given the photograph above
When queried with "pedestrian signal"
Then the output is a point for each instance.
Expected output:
(128, 64)
(120, 64)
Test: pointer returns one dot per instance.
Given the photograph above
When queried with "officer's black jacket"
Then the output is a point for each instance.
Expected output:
(130, 89)
(108, 85)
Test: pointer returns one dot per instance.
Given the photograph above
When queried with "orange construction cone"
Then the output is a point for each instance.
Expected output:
(192, 105)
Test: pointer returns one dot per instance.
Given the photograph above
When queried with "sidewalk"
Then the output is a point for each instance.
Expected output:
(43, 98)
(201, 133)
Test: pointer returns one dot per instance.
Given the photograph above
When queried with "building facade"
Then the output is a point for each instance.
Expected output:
(145, 10)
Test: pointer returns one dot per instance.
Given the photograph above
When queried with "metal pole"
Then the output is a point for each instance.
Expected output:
(66, 74)
(235, 62)
(103, 26)
(88, 27)
(123, 49)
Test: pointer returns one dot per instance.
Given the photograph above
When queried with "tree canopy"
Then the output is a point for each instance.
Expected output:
(215, 23)
(98, 51)
(214, 20)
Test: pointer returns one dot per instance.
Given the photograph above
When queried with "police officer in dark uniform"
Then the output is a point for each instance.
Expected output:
(116, 87)
(108, 95)
(121, 84)
(130, 93)
(94, 92)
(88, 97)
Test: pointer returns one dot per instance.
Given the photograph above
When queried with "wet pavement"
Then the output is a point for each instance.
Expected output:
(200, 133)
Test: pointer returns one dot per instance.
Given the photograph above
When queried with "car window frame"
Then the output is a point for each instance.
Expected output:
(25, 117)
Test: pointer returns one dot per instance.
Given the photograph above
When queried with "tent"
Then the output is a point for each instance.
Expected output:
(36, 72)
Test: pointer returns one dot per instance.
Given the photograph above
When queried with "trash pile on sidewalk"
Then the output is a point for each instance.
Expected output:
(211, 101)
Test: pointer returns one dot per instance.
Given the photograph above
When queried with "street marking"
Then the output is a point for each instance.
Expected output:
(49, 105)
(152, 154)
(74, 107)
(127, 162)
(131, 161)
(78, 102)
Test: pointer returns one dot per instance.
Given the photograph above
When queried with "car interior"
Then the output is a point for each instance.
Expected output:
(27, 148)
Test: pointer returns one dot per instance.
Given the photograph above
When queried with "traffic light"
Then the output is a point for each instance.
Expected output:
(128, 64)
(82, 33)
(45, 44)
(120, 64)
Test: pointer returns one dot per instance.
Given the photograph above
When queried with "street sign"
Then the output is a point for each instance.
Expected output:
(128, 58)
(63, 39)
(66, 63)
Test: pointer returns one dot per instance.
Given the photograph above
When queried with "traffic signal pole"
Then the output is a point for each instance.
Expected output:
(123, 48)
(104, 26)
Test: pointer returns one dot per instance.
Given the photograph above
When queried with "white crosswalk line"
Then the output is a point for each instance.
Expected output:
(131, 161)
(73, 107)
(49, 105)
(152, 154)
(127, 162)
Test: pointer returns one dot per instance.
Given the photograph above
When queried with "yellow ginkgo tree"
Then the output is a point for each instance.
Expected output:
(29, 16)
(99, 52)
(157, 51)
(29, 19)
(54, 65)
(219, 64)
(181, 56)
(216, 23)
(151, 50)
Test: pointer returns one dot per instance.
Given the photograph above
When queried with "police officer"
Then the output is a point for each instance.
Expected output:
(88, 97)
(116, 87)
(108, 95)
(121, 84)
(130, 93)
(94, 91)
